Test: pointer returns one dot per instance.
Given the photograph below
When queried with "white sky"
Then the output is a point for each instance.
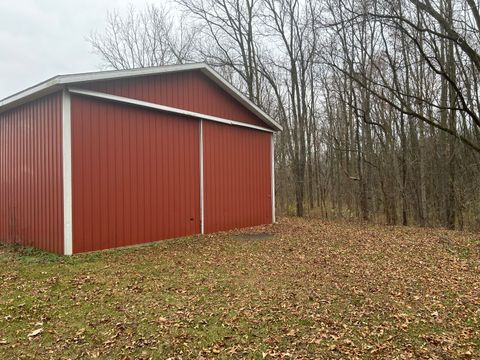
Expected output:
(43, 38)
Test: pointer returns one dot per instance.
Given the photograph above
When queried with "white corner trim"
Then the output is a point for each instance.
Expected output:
(67, 174)
(202, 192)
(273, 180)
(149, 105)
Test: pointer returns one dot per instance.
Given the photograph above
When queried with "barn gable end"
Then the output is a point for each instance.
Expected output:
(188, 90)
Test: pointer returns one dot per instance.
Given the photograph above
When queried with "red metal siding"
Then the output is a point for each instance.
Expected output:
(190, 90)
(237, 177)
(31, 189)
(135, 175)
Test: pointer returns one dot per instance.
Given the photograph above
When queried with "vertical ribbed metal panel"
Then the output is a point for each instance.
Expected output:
(31, 190)
(190, 90)
(135, 175)
(237, 177)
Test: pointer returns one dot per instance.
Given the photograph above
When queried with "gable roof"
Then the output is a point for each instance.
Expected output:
(59, 82)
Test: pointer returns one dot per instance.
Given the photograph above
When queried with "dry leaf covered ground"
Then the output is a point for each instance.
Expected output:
(311, 290)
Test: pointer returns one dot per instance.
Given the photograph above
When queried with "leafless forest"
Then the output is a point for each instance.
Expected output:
(378, 99)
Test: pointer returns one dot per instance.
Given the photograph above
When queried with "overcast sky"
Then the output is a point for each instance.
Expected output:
(43, 38)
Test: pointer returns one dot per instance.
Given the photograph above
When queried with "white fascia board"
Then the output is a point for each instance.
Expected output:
(57, 82)
(67, 174)
(120, 74)
(149, 105)
(48, 86)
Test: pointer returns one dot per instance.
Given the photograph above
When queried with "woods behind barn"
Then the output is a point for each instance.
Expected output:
(379, 99)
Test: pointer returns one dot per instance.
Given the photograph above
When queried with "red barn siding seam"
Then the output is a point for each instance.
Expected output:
(31, 204)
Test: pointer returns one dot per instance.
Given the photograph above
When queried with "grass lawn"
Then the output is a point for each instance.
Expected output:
(311, 290)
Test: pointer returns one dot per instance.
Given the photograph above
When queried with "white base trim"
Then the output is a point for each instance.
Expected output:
(67, 174)
(165, 108)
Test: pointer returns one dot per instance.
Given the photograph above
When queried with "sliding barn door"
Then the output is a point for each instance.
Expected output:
(136, 175)
(237, 177)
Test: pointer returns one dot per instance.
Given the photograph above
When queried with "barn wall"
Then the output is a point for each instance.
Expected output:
(135, 175)
(31, 190)
(237, 177)
(189, 90)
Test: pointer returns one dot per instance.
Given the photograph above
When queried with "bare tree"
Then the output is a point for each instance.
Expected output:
(143, 38)
(229, 29)
(378, 99)
(290, 28)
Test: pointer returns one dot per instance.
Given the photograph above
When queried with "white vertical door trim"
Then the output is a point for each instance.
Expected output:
(67, 173)
(273, 179)
(202, 216)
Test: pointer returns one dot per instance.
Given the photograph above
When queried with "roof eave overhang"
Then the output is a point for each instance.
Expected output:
(49, 87)
(59, 82)
(229, 88)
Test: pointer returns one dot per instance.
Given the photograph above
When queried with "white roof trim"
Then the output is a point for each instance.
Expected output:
(59, 82)
(153, 106)
(229, 88)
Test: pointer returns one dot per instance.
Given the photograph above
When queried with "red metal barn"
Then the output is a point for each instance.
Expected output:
(101, 160)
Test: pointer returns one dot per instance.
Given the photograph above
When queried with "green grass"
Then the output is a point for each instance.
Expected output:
(310, 290)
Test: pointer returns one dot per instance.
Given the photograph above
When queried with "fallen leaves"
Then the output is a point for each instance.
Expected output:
(291, 333)
(297, 289)
(35, 333)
